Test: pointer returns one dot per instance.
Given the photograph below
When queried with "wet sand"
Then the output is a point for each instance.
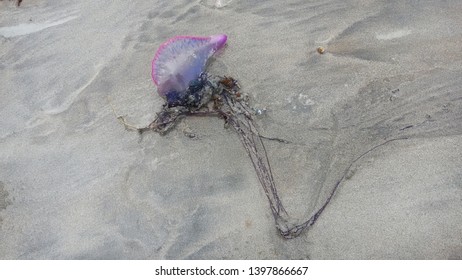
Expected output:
(74, 184)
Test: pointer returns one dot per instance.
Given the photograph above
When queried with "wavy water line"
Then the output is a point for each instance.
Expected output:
(29, 28)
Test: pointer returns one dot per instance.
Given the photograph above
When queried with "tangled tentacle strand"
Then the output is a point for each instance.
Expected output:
(220, 96)
(228, 103)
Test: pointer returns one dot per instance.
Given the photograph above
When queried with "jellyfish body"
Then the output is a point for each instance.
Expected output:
(181, 60)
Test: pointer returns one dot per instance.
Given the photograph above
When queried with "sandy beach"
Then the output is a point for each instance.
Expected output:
(75, 184)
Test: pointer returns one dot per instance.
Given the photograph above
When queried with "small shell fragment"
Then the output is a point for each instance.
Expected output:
(321, 50)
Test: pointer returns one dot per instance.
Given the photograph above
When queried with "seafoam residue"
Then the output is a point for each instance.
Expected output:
(215, 3)
(28, 28)
(393, 35)
(300, 102)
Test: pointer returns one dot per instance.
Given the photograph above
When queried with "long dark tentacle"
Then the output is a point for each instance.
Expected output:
(227, 103)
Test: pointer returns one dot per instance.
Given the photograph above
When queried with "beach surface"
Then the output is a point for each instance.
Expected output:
(380, 108)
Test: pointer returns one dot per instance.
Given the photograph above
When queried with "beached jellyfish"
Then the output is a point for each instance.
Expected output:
(178, 71)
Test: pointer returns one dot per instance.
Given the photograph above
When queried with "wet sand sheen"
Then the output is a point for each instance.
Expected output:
(80, 186)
